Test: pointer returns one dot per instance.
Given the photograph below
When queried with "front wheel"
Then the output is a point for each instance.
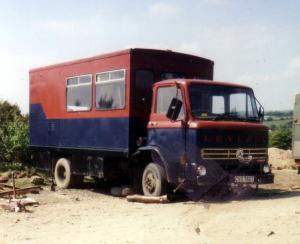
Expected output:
(154, 180)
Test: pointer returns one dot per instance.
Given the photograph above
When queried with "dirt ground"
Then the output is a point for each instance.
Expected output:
(89, 216)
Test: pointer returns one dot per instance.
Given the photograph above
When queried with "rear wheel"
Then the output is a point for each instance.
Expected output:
(62, 173)
(154, 180)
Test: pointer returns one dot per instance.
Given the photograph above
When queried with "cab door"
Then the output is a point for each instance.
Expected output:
(296, 127)
(168, 136)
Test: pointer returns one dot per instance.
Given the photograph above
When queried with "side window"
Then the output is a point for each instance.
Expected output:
(110, 90)
(79, 93)
(218, 105)
(164, 98)
(143, 88)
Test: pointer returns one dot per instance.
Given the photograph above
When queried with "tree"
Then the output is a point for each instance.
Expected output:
(281, 138)
(13, 134)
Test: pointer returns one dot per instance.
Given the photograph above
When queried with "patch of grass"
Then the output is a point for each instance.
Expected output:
(23, 182)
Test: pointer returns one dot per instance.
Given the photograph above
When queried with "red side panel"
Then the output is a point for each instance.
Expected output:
(48, 86)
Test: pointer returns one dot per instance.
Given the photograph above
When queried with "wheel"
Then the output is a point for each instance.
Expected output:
(154, 181)
(62, 173)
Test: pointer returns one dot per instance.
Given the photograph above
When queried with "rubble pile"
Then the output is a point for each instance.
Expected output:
(14, 198)
(281, 159)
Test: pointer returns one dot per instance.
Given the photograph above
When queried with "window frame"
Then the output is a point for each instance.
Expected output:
(245, 90)
(154, 109)
(78, 85)
(109, 82)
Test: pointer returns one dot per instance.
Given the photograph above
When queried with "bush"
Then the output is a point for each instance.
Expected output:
(273, 127)
(13, 134)
(281, 138)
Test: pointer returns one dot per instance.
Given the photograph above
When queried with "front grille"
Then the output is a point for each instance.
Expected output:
(230, 153)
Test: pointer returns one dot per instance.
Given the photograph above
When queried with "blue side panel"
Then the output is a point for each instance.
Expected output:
(94, 133)
(38, 126)
(170, 142)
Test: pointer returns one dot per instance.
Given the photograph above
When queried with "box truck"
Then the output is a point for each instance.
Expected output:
(152, 117)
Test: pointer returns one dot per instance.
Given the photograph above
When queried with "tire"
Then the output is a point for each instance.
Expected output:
(62, 173)
(154, 182)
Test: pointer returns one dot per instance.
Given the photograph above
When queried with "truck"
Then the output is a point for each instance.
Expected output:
(296, 131)
(152, 118)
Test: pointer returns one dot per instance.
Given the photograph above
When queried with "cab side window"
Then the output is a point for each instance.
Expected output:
(164, 98)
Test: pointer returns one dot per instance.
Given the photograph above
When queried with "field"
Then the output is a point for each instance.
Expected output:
(90, 215)
(277, 123)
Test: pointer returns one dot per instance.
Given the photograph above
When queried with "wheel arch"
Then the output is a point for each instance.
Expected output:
(152, 154)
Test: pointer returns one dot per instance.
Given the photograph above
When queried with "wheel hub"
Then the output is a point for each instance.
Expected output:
(61, 173)
(150, 182)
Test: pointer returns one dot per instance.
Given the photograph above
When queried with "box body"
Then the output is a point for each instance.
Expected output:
(55, 124)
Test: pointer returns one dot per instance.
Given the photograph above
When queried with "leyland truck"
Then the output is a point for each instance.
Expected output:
(153, 117)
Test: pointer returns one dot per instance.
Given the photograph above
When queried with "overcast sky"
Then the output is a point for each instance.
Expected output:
(252, 42)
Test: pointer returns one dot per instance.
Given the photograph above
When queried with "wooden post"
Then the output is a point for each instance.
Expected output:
(14, 185)
(147, 199)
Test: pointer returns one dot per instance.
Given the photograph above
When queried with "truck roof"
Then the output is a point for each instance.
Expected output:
(118, 53)
(208, 82)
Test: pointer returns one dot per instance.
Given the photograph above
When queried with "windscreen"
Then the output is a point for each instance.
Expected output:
(219, 102)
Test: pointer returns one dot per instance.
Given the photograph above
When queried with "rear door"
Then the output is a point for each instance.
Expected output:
(296, 127)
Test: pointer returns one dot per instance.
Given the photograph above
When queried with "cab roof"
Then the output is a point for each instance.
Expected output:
(187, 82)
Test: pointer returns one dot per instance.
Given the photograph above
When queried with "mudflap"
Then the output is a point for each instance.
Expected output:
(215, 181)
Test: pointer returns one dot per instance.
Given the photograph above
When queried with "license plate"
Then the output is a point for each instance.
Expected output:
(244, 179)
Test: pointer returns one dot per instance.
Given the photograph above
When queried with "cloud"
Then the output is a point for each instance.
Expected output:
(217, 2)
(163, 9)
(295, 63)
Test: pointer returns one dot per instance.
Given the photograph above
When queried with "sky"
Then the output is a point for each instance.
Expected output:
(252, 42)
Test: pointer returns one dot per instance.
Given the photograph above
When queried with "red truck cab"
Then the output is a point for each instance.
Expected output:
(208, 132)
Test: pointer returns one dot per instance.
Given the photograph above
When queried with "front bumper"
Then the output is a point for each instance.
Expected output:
(257, 179)
(216, 174)
(196, 186)
(238, 179)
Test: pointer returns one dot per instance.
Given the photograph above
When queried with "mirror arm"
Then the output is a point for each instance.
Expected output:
(262, 114)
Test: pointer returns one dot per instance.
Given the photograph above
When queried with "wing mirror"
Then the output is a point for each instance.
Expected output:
(261, 111)
(174, 109)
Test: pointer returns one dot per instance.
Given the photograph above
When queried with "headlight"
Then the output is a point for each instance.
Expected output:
(201, 170)
(266, 168)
